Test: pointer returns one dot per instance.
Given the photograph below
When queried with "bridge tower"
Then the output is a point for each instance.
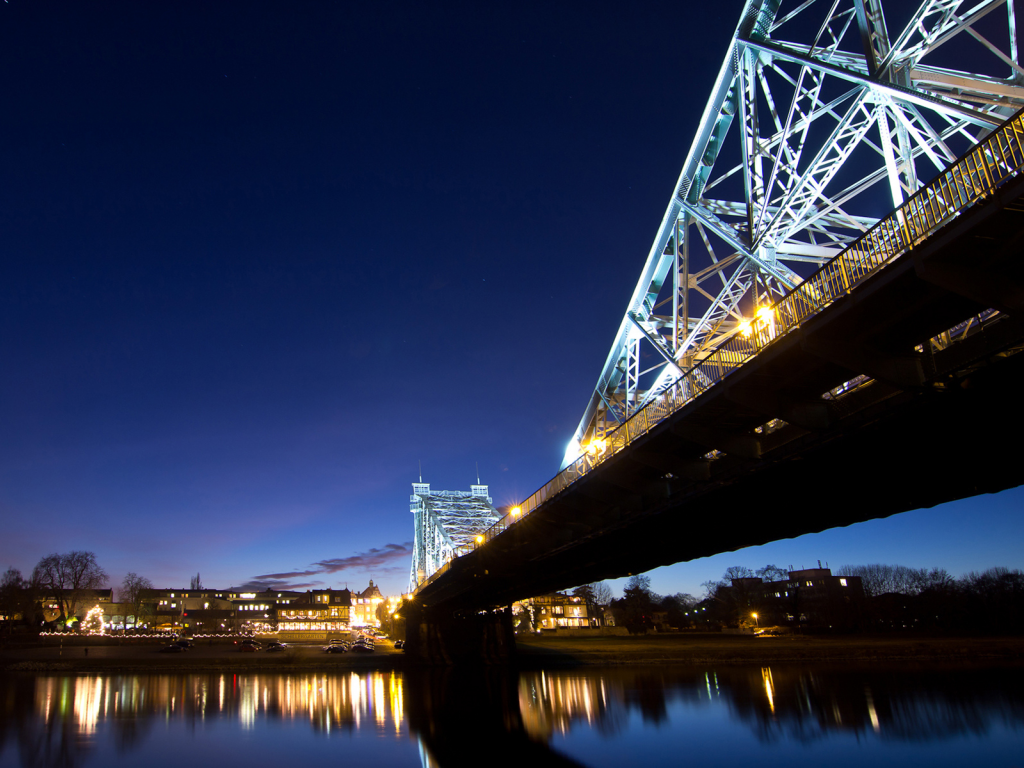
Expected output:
(446, 522)
(823, 117)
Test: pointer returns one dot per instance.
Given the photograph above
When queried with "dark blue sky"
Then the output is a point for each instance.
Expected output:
(259, 260)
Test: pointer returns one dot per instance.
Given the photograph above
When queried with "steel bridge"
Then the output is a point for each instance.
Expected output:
(789, 361)
(445, 523)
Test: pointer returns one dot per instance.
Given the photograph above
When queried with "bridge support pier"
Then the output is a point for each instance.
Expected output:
(475, 638)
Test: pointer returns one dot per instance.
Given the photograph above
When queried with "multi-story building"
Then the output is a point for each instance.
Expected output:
(295, 615)
(212, 611)
(809, 597)
(364, 606)
(316, 615)
(557, 611)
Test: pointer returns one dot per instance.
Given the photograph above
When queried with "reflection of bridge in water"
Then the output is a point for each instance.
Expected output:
(789, 362)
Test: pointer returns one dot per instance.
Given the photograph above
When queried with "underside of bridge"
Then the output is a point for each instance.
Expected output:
(788, 362)
(764, 456)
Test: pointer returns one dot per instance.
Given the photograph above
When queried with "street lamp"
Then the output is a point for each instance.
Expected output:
(755, 620)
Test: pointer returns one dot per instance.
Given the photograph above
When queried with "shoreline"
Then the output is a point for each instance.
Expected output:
(690, 649)
(706, 649)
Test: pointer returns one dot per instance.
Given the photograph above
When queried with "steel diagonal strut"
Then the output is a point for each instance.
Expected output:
(838, 116)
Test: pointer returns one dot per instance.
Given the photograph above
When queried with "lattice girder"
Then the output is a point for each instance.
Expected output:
(445, 522)
(818, 123)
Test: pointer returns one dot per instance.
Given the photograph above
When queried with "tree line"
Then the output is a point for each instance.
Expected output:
(898, 597)
(63, 580)
(895, 598)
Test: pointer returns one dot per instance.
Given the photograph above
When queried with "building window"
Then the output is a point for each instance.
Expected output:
(842, 582)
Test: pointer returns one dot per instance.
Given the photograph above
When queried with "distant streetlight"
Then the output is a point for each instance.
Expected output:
(755, 620)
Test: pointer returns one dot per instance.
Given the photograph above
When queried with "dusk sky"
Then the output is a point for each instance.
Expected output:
(261, 261)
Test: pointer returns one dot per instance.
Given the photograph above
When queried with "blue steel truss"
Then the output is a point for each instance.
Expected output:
(445, 522)
(818, 114)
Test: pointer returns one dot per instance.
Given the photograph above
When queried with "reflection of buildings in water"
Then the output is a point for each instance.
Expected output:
(550, 703)
(794, 703)
(59, 720)
(329, 702)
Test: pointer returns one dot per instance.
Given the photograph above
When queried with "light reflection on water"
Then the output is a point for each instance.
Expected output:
(326, 701)
(436, 717)
(771, 710)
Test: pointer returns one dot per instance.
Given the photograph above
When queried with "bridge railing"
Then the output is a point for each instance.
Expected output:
(976, 175)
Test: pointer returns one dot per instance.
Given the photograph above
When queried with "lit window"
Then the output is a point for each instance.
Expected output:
(842, 582)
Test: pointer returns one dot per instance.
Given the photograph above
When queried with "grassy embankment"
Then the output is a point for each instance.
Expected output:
(109, 656)
(711, 648)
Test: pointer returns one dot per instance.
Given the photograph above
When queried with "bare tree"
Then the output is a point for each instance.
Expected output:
(196, 582)
(639, 581)
(65, 577)
(131, 593)
(711, 588)
(602, 593)
(685, 601)
(879, 579)
(643, 582)
(772, 573)
(738, 572)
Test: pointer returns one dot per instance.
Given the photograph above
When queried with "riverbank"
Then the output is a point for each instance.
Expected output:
(713, 648)
(108, 657)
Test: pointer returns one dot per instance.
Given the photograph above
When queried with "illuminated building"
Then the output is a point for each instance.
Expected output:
(212, 611)
(364, 606)
(558, 611)
(315, 615)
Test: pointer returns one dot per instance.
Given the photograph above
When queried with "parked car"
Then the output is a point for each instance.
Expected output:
(172, 648)
(274, 645)
(186, 644)
(399, 644)
(338, 648)
(248, 645)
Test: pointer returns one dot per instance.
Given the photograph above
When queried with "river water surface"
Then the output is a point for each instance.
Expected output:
(725, 716)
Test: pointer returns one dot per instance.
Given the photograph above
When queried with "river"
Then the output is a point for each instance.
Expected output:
(649, 716)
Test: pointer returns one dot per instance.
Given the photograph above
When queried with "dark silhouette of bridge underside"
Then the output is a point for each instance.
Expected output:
(928, 428)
